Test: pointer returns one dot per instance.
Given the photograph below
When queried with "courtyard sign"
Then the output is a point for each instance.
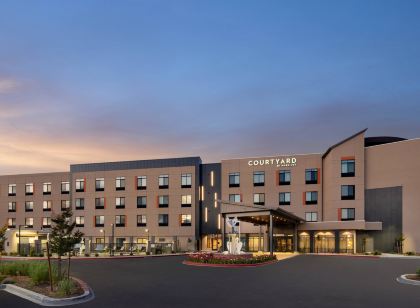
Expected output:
(278, 162)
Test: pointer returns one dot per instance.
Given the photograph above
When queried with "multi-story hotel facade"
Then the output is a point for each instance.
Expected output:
(361, 194)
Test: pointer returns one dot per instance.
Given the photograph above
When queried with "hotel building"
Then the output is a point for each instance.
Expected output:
(360, 195)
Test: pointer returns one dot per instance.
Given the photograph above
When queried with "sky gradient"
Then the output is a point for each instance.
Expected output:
(91, 81)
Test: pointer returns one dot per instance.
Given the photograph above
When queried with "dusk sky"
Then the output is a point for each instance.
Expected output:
(92, 81)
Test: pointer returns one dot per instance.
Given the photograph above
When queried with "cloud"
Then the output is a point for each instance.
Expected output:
(8, 85)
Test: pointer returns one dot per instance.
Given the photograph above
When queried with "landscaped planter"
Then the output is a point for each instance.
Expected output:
(227, 260)
(412, 279)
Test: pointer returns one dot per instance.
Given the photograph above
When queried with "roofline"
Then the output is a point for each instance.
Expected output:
(342, 141)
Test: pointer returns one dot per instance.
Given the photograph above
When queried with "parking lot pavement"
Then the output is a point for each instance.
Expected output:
(303, 281)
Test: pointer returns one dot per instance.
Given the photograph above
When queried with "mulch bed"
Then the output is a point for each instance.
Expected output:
(413, 277)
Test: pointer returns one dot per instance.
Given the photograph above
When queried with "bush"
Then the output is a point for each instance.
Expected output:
(212, 259)
(410, 253)
(39, 273)
(418, 272)
(18, 268)
(377, 253)
(66, 287)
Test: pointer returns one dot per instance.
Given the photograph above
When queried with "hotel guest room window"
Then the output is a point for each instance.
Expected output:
(347, 214)
(259, 199)
(234, 198)
(234, 179)
(347, 168)
(12, 189)
(80, 185)
(141, 182)
(186, 180)
(311, 176)
(100, 184)
(285, 177)
(141, 202)
(347, 192)
(46, 188)
(284, 198)
(259, 178)
(311, 197)
(163, 181)
(120, 183)
(163, 220)
(29, 189)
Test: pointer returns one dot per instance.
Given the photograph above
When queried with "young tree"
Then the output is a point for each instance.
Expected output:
(2, 239)
(63, 237)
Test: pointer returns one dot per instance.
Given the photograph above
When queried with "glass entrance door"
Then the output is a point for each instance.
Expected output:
(283, 243)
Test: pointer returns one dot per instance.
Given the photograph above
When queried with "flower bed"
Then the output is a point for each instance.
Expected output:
(212, 258)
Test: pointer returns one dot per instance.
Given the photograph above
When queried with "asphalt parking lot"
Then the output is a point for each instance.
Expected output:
(303, 281)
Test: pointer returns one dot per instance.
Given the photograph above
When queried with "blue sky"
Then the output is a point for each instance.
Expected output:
(84, 81)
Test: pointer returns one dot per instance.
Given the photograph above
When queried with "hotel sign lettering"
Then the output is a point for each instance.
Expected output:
(278, 162)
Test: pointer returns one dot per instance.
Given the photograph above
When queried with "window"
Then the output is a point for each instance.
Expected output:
(141, 221)
(311, 197)
(46, 222)
(12, 189)
(347, 192)
(284, 178)
(65, 187)
(311, 176)
(234, 198)
(100, 184)
(163, 181)
(80, 185)
(11, 207)
(120, 202)
(347, 167)
(347, 214)
(80, 203)
(185, 220)
(141, 202)
(80, 221)
(163, 201)
(234, 179)
(29, 189)
(99, 203)
(186, 201)
(46, 188)
(120, 221)
(99, 221)
(141, 182)
(29, 206)
(120, 183)
(29, 222)
(163, 220)
(65, 204)
(11, 222)
(186, 180)
(311, 216)
(259, 199)
(211, 178)
(284, 198)
(259, 178)
(46, 206)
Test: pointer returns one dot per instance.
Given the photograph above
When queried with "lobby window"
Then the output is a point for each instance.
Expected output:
(80, 203)
(347, 192)
(311, 197)
(11, 207)
(99, 221)
(99, 203)
(347, 168)
(285, 177)
(46, 188)
(164, 181)
(65, 204)
(163, 201)
(186, 201)
(80, 185)
(100, 184)
(11, 222)
(311, 216)
(29, 222)
(12, 189)
(186, 180)
(120, 202)
(234, 198)
(259, 178)
(347, 214)
(120, 221)
(185, 220)
(80, 221)
(311, 176)
(141, 182)
(46, 206)
(46, 222)
(120, 183)
(65, 187)
(259, 199)
(141, 202)
(29, 189)
(141, 221)
(29, 206)
(234, 179)
(163, 220)
(284, 198)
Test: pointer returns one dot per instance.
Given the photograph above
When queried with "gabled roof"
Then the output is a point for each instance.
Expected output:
(342, 141)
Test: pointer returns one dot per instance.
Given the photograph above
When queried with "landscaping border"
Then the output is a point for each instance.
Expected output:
(190, 263)
(404, 280)
(44, 300)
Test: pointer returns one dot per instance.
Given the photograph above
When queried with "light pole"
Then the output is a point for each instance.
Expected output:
(20, 226)
(103, 231)
(112, 240)
(147, 247)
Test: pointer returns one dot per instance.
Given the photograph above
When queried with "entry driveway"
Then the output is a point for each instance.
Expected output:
(303, 281)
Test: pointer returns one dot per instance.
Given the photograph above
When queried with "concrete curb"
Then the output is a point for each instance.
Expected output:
(92, 258)
(227, 265)
(404, 280)
(44, 300)
(343, 255)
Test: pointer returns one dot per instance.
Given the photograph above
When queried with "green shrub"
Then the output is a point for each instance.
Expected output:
(17, 268)
(66, 287)
(377, 253)
(418, 272)
(39, 273)
(410, 253)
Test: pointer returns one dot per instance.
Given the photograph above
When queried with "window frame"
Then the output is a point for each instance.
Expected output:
(186, 180)
(101, 186)
(259, 202)
(345, 163)
(163, 181)
(311, 180)
(282, 174)
(120, 183)
(285, 202)
(347, 196)
(163, 224)
(236, 177)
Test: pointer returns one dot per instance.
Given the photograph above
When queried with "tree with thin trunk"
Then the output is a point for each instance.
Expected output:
(2, 239)
(63, 237)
